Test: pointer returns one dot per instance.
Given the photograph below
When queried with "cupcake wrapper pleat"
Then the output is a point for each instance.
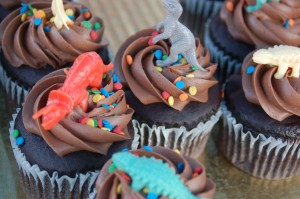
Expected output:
(226, 64)
(40, 184)
(190, 143)
(259, 156)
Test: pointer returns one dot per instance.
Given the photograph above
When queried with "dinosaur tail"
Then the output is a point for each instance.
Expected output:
(108, 67)
(191, 58)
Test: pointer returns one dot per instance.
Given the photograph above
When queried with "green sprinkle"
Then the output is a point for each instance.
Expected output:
(16, 133)
(165, 57)
(86, 24)
(97, 26)
(104, 76)
(96, 91)
(30, 7)
(195, 68)
(115, 114)
(112, 168)
(29, 14)
(89, 92)
(95, 123)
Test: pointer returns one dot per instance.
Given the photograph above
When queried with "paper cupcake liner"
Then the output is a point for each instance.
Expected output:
(226, 64)
(40, 184)
(190, 143)
(93, 194)
(259, 156)
(197, 12)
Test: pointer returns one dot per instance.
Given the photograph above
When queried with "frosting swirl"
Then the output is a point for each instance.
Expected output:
(148, 82)
(193, 174)
(274, 23)
(41, 45)
(70, 135)
(279, 98)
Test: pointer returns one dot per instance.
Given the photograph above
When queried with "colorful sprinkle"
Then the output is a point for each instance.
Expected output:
(171, 100)
(118, 86)
(112, 167)
(165, 95)
(158, 54)
(129, 59)
(37, 21)
(93, 35)
(69, 12)
(52, 19)
(87, 15)
(104, 92)
(177, 151)
(229, 6)
(126, 177)
(195, 68)
(286, 24)
(84, 10)
(23, 17)
(97, 26)
(183, 97)
(96, 91)
(86, 24)
(47, 29)
(117, 129)
(105, 106)
(153, 34)
(177, 79)
(150, 42)
(97, 98)
(16, 133)
(183, 61)
(39, 14)
(29, 13)
(179, 57)
(180, 85)
(158, 68)
(165, 57)
(193, 90)
(100, 123)
(291, 22)
(250, 70)
(119, 189)
(125, 150)
(83, 120)
(152, 196)
(20, 141)
(23, 9)
(90, 122)
(180, 167)
(198, 169)
(195, 175)
(105, 129)
(148, 148)
(191, 75)
(145, 190)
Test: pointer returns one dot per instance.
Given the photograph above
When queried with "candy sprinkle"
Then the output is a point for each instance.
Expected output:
(119, 189)
(191, 75)
(250, 70)
(87, 15)
(171, 100)
(158, 54)
(112, 168)
(291, 22)
(118, 86)
(47, 29)
(229, 6)
(117, 129)
(86, 24)
(90, 122)
(97, 98)
(83, 120)
(286, 24)
(165, 57)
(152, 196)
(69, 12)
(93, 35)
(165, 95)
(148, 148)
(16, 133)
(97, 26)
(159, 69)
(180, 85)
(129, 59)
(37, 21)
(23, 17)
(180, 167)
(193, 90)
(20, 141)
(183, 97)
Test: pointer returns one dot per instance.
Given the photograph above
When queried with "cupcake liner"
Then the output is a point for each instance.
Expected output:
(259, 156)
(196, 13)
(93, 194)
(226, 64)
(190, 143)
(40, 184)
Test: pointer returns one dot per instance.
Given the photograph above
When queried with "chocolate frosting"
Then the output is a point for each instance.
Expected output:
(23, 43)
(69, 135)
(200, 185)
(280, 98)
(13, 3)
(266, 26)
(147, 83)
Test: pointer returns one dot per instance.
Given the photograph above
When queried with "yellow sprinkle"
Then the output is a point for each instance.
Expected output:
(183, 61)
(129, 59)
(119, 189)
(145, 190)
(177, 151)
(193, 90)
(159, 69)
(105, 129)
(52, 20)
(191, 75)
(23, 18)
(96, 98)
(171, 100)
(69, 12)
(90, 122)
(34, 10)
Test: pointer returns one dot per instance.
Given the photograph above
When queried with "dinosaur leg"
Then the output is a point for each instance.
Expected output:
(296, 71)
(281, 71)
(191, 58)
(173, 57)
(84, 101)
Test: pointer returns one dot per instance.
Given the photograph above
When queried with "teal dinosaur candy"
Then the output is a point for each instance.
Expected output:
(258, 5)
(144, 171)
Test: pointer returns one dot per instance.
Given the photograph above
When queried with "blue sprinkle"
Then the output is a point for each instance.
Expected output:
(176, 63)
(180, 56)
(250, 70)
(180, 85)
(105, 106)
(104, 92)
(152, 196)
(106, 123)
(111, 93)
(20, 141)
(47, 29)
(115, 104)
(158, 54)
(84, 10)
(114, 78)
(125, 150)
(148, 148)
(117, 79)
(287, 24)
(180, 167)
(71, 17)
(24, 5)
(37, 21)
(23, 9)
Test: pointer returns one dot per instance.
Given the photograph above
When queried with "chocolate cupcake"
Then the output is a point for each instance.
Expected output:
(261, 116)
(175, 106)
(160, 172)
(35, 44)
(245, 25)
(59, 156)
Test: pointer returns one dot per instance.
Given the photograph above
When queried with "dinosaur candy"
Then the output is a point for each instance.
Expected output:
(258, 5)
(181, 38)
(87, 70)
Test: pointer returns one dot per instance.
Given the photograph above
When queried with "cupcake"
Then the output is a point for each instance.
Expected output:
(262, 113)
(245, 25)
(197, 12)
(176, 106)
(35, 41)
(59, 155)
(152, 173)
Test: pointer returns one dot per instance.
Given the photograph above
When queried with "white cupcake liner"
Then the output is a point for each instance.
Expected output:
(226, 64)
(197, 12)
(93, 194)
(190, 143)
(40, 184)
(259, 156)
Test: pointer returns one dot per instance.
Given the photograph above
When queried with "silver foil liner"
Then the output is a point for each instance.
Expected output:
(226, 64)
(190, 143)
(93, 194)
(40, 184)
(260, 156)
(197, 12)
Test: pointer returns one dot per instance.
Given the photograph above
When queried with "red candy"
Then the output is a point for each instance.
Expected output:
(154, 34)
(118, 86)
(150, 42)
(198, 170)
(93, 35)
(100, 124)
(117, 129)
(126, 177)
(165, 95)
(83, 120)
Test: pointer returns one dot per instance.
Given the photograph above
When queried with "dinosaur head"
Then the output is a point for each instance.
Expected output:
(173, 7)
(262, 56)
(123, 160)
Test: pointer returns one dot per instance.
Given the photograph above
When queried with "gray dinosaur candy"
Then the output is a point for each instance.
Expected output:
(181, 38)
